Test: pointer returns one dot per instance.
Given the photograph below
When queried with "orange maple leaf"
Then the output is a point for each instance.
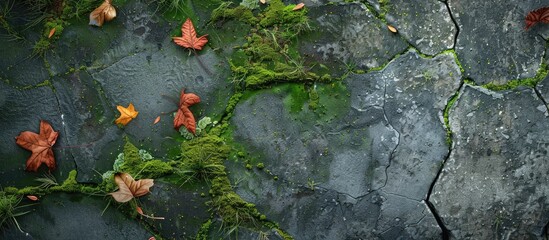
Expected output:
(188, 37)
(40, 146)
(126, 114)
(128, 188)
(184, 116)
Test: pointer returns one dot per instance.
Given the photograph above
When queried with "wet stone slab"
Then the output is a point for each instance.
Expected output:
(492, 44)
(347, 37)
(390, 143)
(184, 209)
(21, 111)
(74, 216)
(427, 25)
(494, 184)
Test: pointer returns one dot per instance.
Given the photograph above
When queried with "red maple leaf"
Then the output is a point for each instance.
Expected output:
(40, 146)
(538, 15)
(184, 116)
(188, 37)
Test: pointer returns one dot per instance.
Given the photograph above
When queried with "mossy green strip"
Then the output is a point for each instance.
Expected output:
(528, 82)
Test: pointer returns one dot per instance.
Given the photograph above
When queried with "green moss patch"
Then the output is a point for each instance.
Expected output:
(269, 55)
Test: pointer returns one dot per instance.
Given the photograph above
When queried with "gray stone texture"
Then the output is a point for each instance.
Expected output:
(74, 216)
(494, 184)
(427, 25)
(492, 44)
(388, 147)
(349, 36)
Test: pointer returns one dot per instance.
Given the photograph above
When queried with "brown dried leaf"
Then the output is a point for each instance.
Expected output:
(32, 197)
(40, 145)
(52, 31)
(298, 6)
(104, 13)
(184, 116)
(156, 120)
(129, 188)
(392, 29)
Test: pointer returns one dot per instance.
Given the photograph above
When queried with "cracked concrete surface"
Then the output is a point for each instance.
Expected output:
(372, 162)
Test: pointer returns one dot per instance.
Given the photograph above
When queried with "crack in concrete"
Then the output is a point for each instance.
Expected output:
(447, 4)
(542, 99)
(394, 129)
(63, 124)
(445, 231)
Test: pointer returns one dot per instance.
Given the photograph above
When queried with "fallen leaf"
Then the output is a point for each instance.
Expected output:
(52, 31)
(184, 116)
(152, 238)
(392, 29)
(298, 6)
(32, 197)
(104, 13)
(126, 114)
(156, 120)
(188, 37)
(40, 146)
(140, 211)
(129, 188)
(538, 15)
(263, 1)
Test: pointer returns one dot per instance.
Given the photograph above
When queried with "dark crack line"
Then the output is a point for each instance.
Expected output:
(447, 4)
(445, 231)
(63, 124)
(398, 134)
(542, 99)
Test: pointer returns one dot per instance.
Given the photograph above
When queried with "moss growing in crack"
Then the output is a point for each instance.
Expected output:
(139, 166)
(9, 209)
(269, 56)
(202, 158)
(204, 230)
(528, 82)
(234, 211)
(446, 115)
(240, 13)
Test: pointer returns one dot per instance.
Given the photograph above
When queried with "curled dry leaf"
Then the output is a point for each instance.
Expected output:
(156, 120)
(52, 31)
(184, 116)
(298, 6)
(392, 29)
(32, 197)
(104, 13)
(188, 37)
(538, 15)
(129, 188)
(126, 114)
(40, 145)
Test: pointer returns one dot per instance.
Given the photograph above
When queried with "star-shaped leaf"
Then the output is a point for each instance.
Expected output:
(188, 38)
(126, 114)
(40, 145)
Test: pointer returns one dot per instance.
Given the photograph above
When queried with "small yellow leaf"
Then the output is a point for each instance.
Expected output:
(298, 6)
(126, 114)
(156, 120)
(392, 29)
